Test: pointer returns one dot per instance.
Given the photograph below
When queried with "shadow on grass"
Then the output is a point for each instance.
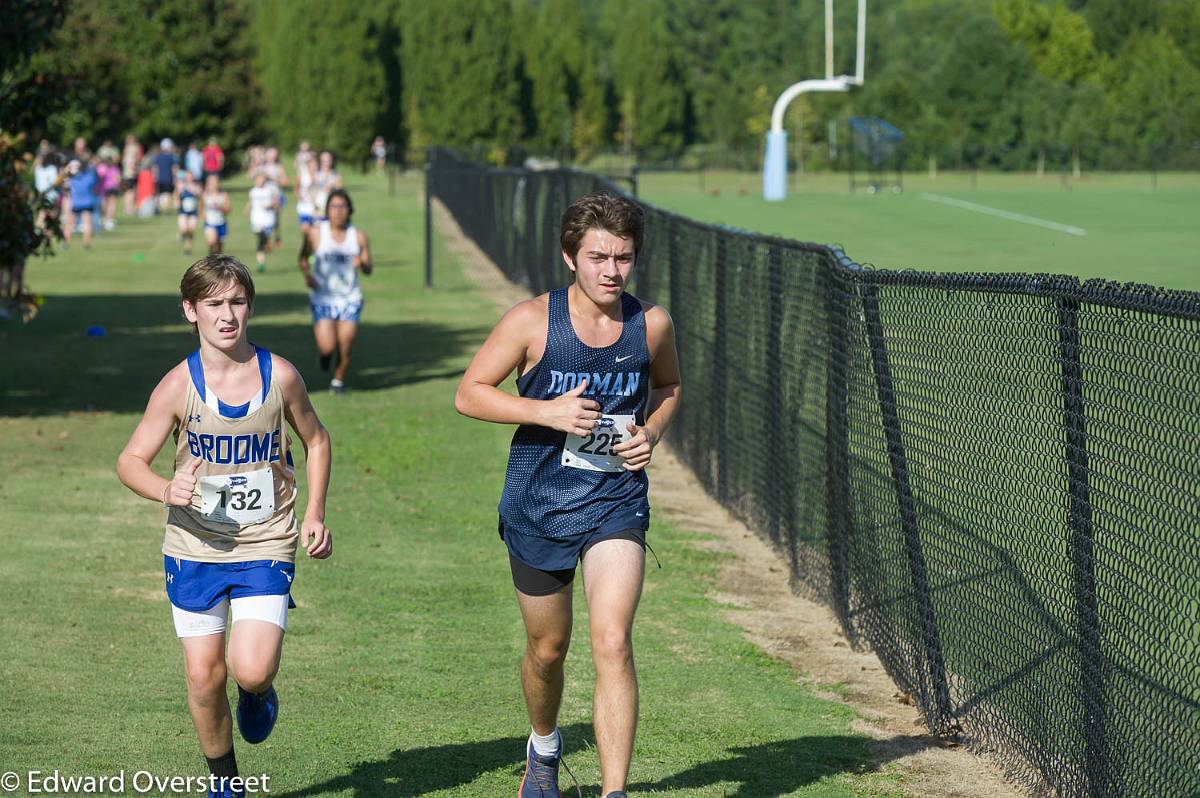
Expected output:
(419, 771)
(760, 771)
(783, 766)
(53, 366)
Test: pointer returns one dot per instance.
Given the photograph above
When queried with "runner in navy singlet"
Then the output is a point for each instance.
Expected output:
(598, 383)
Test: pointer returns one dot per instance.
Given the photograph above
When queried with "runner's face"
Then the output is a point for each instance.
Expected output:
(221, 317)
(602, 265)
(338, 212)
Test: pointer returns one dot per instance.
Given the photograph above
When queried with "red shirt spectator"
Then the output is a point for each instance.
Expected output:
(214, 159)
(145, 192)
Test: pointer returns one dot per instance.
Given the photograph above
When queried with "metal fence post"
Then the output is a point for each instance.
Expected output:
(390, 165)
(1091, 658)
(429, 220)
(720, 363)
(837, 441)
(940, 713)
(674, 277)
(776, 448)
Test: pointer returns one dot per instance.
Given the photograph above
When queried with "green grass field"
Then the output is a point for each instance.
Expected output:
(400, 671)
(1133, 233)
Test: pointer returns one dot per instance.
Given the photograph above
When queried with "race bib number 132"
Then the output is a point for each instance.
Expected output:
(238, 498)
(594, 451)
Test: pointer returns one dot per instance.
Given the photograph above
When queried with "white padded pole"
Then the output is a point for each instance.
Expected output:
(828, 39)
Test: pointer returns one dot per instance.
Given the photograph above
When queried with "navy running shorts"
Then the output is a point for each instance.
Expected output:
(541, 566)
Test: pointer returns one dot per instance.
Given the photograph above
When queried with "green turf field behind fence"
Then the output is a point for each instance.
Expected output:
(1133, 232)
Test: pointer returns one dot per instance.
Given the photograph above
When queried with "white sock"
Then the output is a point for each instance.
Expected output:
(549, 745)
(335, 382)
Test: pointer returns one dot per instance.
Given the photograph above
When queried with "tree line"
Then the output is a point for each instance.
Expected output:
(979, 83)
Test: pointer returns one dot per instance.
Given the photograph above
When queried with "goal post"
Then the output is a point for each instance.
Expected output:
(775, 158)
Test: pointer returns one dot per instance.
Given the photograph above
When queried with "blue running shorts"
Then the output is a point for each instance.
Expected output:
(336, 311)
(197, 586)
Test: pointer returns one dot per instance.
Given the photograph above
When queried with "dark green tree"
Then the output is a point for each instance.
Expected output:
(1181, 19)
(545, 55)
(178, 68)
(1114, 21)
(1044, 105)
(648, 79)
(460, 61)
(727, 55)
(27, 93)
(1154, 104)
(331, 73)
(567, 90)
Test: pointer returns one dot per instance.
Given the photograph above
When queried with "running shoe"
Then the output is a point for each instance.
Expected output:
(541, 775)
(226, 792)
(256, 714)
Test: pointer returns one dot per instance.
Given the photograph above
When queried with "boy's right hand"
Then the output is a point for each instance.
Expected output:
(183, 486)
(570, 413)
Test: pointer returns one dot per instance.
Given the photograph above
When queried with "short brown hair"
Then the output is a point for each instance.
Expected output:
(206, 276)
(601, 210)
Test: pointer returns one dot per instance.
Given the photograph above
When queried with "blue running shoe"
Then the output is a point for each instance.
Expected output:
(617, 794)
(226, 792)
(541, 774)
(256, 714)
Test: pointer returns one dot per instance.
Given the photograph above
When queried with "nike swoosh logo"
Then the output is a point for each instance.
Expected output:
(624, 358)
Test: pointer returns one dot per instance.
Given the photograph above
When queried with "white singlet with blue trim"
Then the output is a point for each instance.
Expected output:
(334, 271)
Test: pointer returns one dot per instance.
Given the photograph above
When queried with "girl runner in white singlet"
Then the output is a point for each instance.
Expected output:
(340, 253)
(216, 205)
(325, 180)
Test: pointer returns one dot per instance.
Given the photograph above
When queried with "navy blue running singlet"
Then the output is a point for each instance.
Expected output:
(558, 484)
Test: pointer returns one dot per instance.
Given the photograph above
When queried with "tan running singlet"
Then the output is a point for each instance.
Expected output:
(244, 505)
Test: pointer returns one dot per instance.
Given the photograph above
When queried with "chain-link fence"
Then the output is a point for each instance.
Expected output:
(993, 479)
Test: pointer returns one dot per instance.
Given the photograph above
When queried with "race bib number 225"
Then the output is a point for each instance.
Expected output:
(594, 451)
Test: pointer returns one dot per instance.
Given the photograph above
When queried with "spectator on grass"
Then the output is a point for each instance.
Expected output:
(46, 180)
(131, 156)
(146, 204)
(85, 198)
(214, 159)
(193, 162)
(325, 181)
(166, 163)
(108, 151)
(379, 153)
(109, 174)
